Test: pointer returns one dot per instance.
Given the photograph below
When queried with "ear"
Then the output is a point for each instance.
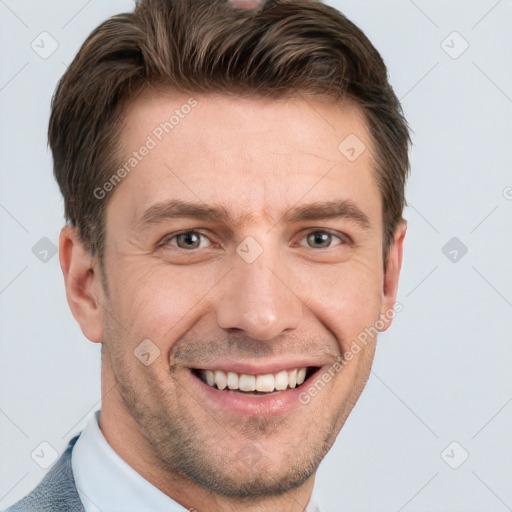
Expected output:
(392, 275)
(84, 289)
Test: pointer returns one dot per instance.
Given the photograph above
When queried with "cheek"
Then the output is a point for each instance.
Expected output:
(159, 301)
(347, 302)
(347, 298)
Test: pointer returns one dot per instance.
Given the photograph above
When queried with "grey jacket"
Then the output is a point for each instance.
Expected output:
(56, 492)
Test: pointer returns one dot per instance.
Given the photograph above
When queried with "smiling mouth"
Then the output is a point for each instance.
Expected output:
(260, 384)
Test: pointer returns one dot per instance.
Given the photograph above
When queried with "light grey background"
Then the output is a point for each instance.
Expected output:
(443, 371)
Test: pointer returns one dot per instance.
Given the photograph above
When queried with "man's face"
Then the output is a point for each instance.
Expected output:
(243, 245)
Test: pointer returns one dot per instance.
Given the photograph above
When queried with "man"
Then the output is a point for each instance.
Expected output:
(233, 177)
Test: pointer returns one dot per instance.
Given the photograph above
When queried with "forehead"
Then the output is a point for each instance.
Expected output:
(252, 155)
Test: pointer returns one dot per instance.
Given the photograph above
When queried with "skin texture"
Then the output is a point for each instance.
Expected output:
(205, 306)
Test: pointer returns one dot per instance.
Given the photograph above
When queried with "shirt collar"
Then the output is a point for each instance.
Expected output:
(106, 483)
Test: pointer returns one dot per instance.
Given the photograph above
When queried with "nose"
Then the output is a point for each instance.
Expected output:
(258, 300)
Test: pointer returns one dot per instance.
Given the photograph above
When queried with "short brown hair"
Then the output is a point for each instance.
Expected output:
(287, 47)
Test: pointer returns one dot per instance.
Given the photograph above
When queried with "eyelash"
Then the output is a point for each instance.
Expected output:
(344, 239)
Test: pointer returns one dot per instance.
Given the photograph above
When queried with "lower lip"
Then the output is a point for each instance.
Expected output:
(280, 402)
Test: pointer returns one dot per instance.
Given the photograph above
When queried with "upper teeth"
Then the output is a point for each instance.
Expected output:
(244, 382)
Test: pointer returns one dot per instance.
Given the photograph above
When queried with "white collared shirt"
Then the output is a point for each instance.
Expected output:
(106, 483)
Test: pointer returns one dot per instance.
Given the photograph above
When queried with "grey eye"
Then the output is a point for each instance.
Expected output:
(189, 240)
(319, 239)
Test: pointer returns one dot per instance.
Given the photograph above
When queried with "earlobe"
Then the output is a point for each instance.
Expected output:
(82, 282)
(392, 275)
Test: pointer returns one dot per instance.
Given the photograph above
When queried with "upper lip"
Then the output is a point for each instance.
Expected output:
(253, 368)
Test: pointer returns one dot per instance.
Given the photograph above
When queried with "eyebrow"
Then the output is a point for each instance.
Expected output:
(176, 209)
(314, 211)
(329, 210)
